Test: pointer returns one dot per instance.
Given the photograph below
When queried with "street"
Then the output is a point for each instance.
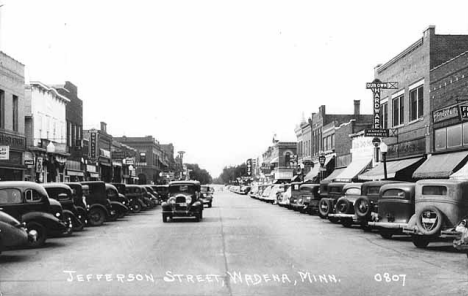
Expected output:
(241, 247)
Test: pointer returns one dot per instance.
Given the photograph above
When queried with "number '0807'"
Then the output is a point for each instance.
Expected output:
(390, 278)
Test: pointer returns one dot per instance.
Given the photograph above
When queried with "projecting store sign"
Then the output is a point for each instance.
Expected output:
(376, 86)
(93, 145)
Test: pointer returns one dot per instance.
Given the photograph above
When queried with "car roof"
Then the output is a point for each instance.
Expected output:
(55, 185)
(184, 183)
(20, 184)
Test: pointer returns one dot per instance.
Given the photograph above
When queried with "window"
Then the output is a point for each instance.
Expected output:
(15, 113)
(373, 190)
(353, 191)
(454, 138)
(10, 196)
(434, 190)
(398, 110)
(394, 193)
(33, 196)
(2, 108)
(441, 139)
(416, 103)
(384, 115)
(465, 133)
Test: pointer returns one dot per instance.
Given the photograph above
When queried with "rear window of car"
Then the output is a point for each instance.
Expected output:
(373, 190)
(10, 196)
(353, 191)
(434, 190)
(393, 193)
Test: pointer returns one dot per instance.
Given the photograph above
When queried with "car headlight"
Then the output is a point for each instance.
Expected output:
(188, 199)
(57, 215)
(171, 200)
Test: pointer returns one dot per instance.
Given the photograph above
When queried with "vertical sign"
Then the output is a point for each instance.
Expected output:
(249, 167)
(93, 145)
(376, 86)
(39, 165)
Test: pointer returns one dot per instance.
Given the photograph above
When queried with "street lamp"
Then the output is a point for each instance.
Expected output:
(384, 149)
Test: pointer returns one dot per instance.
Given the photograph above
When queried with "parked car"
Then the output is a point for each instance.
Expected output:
(162, 190)
(253, 190)
(311, 196)
(327, 204)
(79, 200)
(118, 202)
(283, 198)
(153, 196)
(439, 207)
(12, 232)
(64, 195)
(100, 208)
(29, 203)
(266, 192)
(135, 195)
(395, 208)
(272, 196)
(207, 195)
(366, 207)
(259, 192)
(149, 199)
(344, 208)
(244, 190)
(184, 201)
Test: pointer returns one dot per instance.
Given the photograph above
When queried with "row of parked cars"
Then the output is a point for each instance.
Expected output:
(427, 210)
(31, 212)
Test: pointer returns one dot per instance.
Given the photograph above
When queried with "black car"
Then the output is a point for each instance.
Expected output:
(78, 193)
(162, 190)
(64, 195)
(100, 208)
(118, 201)
(184, 201)
(29, 203)
(136, 197)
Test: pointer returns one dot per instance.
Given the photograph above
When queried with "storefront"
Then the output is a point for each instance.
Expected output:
(92, 172)
(12, 148)
(362, 154)
(105, 165)
(73, 172)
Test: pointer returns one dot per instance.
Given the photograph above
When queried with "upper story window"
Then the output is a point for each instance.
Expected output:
(15, 113)
(398, 110)
(2, 108)
(416, 102)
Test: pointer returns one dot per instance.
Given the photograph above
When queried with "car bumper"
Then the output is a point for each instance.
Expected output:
(343, 216)
(389, 225)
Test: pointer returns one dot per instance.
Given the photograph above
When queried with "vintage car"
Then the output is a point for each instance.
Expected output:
(29, 203)
(152, 195)
(272, 196)
(266, 192)
(282, 198)
(206, 195)
(100, 208)
(395, 208)
(119, 202)
(440, 205)
(162, 190)
(366, 207)
(327, 204)
(259, 192)
(184, 201)
(244, 190)
(79, 200)
(344, 207)
(12, 232)
(136, 197)
(253, 190)
(310, 198)
(64, 195)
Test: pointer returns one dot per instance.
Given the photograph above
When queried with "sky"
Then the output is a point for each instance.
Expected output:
(217, 79)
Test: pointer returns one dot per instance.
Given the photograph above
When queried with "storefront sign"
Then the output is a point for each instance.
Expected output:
(283, 175)
(445, 114)
(39, 165)
(105, 153)
(93, 145)
(29, 162)
(118, 155)
(4, 152)
(15, 142)
(410, 148)
(463, 112)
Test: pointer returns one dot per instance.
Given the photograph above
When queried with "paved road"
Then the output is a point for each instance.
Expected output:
(242, 247)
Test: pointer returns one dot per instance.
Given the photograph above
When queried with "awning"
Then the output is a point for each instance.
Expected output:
(333, 175)
(393, 167)
(313, 172)
(461, 174)
(274, 160)
(440, 166)
(353, 169)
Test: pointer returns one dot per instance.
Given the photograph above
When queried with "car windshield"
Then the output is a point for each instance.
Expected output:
(393, 193)
(182, 188)
(373, 190)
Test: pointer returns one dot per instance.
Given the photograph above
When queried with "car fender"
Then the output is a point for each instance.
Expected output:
(119, 207)
(72, 215)
(46, 219)
(82, 211)
(412, 222)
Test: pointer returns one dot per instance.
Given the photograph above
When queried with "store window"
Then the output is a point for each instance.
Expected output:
(454, 136)
(441, 139)
(398, 110)
(416, 103)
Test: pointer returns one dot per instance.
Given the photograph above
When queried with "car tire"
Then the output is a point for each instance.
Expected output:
(343, 206)
(135, 206)
(324, 208)
(429, 228)
(420, 241)
(362, 207)
(114, 217)
(386, 233)
(96, 217)
(347, 223)
(68, 219)
(41, 234)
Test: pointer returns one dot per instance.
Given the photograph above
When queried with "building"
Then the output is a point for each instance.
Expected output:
(97, 154)
(407, 111)
(278, 162)
(46, 125)
(14, 159)
(123, 163)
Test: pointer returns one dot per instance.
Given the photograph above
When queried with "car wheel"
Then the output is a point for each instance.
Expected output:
(386, 233)
(421, 241)
(343, 206)
(347, 223)
(135, 207)
(429, 220)
(41, 234)
(164, 217)
(113, 217)
(324, 208)
(68, 220)
(362, 207)
(96, 217)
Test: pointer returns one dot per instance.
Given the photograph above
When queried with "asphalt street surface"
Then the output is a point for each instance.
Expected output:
(241, 247)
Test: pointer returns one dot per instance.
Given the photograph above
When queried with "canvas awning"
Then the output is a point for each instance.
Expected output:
(440, 166)
(333, 175)
(353, 169)
(313, 172)
(393, 167)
